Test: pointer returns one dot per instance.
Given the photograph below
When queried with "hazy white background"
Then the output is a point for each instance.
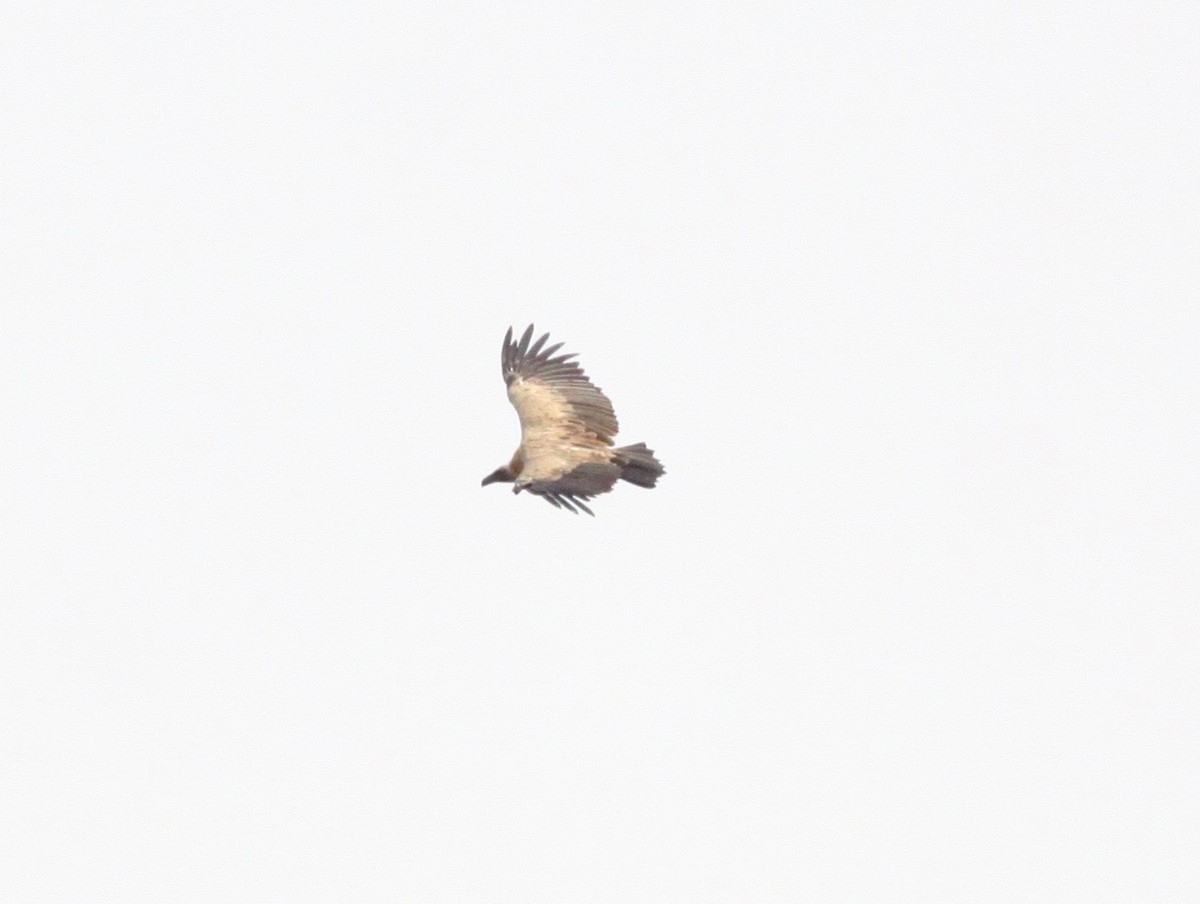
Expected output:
(907, 299)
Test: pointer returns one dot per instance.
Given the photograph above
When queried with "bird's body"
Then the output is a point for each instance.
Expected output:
(566, 454)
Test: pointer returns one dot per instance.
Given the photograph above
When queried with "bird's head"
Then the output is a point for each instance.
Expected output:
(500, 475)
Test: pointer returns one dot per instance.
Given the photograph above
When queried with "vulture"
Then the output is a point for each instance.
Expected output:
(566, 454)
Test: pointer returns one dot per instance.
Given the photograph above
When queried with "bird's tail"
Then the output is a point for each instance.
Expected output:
(638, 464)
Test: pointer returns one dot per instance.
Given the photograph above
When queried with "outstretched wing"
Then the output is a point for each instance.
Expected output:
(567, 424)
(552, 393)
(577, 485)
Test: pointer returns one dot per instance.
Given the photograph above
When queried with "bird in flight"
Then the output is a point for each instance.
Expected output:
(566, 454)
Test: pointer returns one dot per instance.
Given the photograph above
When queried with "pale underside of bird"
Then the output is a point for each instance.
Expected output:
(566, 454)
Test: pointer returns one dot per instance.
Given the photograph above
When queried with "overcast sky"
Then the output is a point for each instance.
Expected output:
(907, 301)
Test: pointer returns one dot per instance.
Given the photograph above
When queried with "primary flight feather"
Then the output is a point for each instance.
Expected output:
(566, 454)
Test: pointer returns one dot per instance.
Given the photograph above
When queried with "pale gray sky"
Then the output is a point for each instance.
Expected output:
(905, 298)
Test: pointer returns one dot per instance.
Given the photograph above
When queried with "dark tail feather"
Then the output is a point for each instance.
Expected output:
(638, 464)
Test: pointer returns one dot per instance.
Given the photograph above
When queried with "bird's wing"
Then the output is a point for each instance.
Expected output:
(553, 396)
(567, 424)
(577, 485)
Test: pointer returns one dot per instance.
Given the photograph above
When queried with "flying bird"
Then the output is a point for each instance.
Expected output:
(566, 454)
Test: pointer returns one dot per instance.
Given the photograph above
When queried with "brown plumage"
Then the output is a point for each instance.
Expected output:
(567, 429)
